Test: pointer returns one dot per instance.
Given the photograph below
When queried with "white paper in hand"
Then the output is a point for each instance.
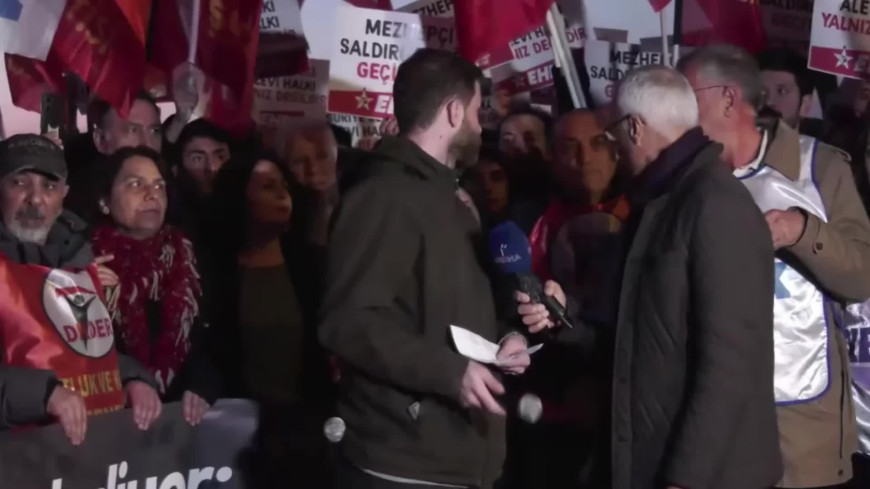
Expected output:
(478, 348)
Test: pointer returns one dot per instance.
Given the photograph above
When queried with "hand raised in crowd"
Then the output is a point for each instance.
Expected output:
(195, 408)
(389, 127)
(536, 316)
(786, 227)
(108, 278)
(145, 403)
(478, 387)
(69, 409)
(512, 355)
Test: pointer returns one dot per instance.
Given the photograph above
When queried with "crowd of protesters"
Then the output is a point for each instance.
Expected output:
(704, 235)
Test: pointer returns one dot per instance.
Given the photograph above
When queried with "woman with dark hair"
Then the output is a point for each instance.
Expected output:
(155, 306)
(265, 338)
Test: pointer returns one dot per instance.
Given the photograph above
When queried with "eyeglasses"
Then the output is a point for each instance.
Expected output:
(609, 130)
(696, 90)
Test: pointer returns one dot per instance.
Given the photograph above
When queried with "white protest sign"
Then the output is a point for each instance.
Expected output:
(368, 51)
(302, 95)
(281, 16)
(576, 32)
(626, 21)
(360, 128)
(531, 67)
(787, 23)
(840, 41)
(607, 63)
(429, 8)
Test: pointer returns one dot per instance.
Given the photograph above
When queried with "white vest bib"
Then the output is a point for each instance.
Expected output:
(800, 332)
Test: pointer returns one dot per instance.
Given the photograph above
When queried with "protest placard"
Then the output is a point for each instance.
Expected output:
(281, 16)
(787, 23)
(430, 8)
(626, 22)
(302, 95)
(368, 51)
(840, 41)
(607, 63)
(360, 128)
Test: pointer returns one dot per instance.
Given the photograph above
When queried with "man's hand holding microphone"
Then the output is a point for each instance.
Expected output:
(535, 315)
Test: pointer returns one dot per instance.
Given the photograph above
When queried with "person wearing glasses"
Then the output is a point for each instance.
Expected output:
(821, 234)
(691, 402)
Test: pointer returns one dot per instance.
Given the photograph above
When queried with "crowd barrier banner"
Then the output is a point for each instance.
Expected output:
(117, 455)
(840, 41)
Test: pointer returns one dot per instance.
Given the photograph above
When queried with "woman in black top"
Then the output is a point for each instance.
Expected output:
(264, 335)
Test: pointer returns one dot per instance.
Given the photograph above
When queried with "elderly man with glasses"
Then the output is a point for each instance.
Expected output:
(822, 239)
(692, 405)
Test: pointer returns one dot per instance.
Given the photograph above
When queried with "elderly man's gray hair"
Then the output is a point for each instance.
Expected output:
(726, 64)
(661, 96)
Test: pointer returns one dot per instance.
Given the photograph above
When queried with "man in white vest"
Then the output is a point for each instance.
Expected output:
(822, 236)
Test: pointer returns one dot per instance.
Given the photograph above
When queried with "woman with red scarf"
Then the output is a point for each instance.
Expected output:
(155, 306)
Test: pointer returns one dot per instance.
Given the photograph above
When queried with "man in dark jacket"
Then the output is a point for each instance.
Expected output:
(692, 399)
(58, 357)
(402, 268)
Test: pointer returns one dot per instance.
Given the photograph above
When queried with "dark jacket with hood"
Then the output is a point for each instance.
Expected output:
(24, 392)
(403, 265)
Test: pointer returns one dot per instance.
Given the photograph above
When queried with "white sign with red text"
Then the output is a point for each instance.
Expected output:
(531, 67)
(302, 95)
(840, 41)
(788, 23)
(369, 47)
(429, 8)
(607, 63)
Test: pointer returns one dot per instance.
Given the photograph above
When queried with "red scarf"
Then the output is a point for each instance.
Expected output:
(160, 269)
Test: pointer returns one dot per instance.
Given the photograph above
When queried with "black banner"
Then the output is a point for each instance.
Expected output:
(117, 455)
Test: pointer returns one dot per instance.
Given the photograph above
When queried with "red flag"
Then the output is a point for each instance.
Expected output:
(226, 37)
(29, 79)
(138, 15)
(722, 21)
(95, 41)
(658, 5)
(485, 25)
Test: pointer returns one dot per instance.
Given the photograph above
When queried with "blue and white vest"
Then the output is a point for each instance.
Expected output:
(856, 326)
(800, 332)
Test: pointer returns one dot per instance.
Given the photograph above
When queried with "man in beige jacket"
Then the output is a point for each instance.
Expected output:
(822, 236)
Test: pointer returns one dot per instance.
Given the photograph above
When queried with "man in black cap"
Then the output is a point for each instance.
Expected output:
(58, 357)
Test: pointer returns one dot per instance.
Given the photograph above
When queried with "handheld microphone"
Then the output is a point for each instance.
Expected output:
(333, 429)
(512, 254)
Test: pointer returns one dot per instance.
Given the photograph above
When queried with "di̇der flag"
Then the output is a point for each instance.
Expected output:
(484, 25)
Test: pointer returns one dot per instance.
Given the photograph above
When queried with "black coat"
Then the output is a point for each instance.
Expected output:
(692, 398)
(402, 266)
